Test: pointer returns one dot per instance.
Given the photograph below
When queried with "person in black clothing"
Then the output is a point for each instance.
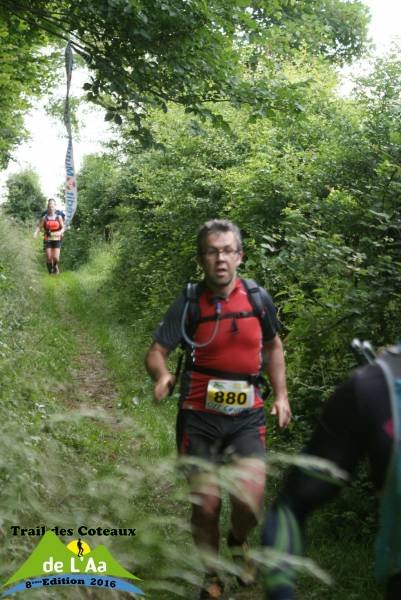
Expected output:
(356, 421)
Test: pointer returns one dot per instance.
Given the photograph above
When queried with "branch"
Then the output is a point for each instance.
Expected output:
(329, 327)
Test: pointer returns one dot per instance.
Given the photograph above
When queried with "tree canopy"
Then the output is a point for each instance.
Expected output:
(143, 53)
(25, 199)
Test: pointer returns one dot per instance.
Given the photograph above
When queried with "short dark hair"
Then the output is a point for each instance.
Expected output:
(217, 226)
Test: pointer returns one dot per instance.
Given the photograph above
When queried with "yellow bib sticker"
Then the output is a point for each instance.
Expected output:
(229, 397)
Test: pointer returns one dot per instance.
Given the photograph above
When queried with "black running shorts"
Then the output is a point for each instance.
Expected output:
(221, 438)
(52, 244)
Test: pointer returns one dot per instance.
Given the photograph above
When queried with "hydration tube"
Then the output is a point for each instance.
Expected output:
(214, 332)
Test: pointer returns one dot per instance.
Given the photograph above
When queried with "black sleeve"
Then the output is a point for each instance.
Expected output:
(355, 422)
(359, 405)
(270, 323)
(168, 332)
(340, 415)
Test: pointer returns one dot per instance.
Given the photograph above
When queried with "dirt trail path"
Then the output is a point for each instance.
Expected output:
(88, 388)
(89, 380)
(91, 377)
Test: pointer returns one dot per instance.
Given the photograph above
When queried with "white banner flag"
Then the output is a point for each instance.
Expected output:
(71, 192)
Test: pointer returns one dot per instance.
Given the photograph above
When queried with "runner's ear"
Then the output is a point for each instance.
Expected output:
(240, 256)
(199, 260)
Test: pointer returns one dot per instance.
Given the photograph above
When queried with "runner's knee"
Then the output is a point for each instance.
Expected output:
(206, 506)
(248, 478)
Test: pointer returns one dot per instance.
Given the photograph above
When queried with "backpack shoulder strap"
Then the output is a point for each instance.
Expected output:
(254, 292)
(388, 543)
(192, 293)
(392, 356)
(261, 304)
(390, 363)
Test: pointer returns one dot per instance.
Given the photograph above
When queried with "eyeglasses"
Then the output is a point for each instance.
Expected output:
(224, 252)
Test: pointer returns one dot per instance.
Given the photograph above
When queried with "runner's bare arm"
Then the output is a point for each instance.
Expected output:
(275, 367)
(39, 226)
(156, 365)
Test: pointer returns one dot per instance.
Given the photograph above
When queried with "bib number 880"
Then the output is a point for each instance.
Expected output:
(230, 397)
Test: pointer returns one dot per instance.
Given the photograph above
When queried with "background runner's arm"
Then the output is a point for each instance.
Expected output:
(38, 227)
(61, 221)
(275, 368)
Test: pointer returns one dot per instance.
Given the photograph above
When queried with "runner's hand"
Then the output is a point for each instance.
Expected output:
(282, 410)
(163, 386)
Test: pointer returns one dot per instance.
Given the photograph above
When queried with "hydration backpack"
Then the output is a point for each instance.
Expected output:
(260, 303)
(257, 297)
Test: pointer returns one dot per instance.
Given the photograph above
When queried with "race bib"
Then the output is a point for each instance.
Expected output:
(54, 236)
(229, 397)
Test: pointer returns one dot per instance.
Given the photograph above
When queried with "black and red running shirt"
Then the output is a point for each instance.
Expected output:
(236, 348)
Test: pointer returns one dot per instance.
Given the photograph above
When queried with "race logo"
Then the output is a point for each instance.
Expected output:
(54, 564)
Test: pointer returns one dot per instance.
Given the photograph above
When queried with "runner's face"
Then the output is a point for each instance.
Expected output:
(220, 259)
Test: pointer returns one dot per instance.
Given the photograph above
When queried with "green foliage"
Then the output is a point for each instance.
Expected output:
(99, 193)
(144, 54)
(334, 30)
(25, 200)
